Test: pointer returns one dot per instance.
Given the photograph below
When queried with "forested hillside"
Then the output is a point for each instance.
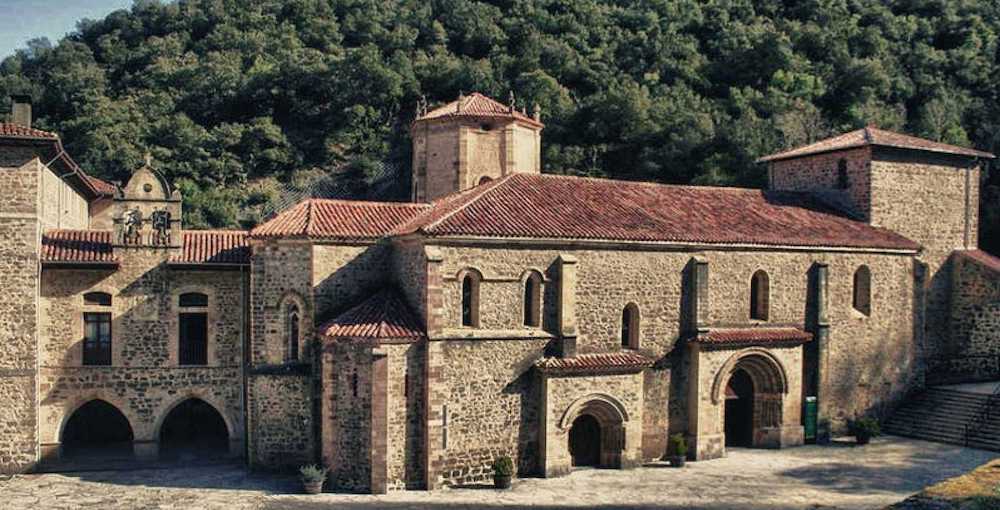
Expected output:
(234, 97)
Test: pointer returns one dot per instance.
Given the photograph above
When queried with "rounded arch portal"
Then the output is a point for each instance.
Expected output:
(752, 386)
(596, 431)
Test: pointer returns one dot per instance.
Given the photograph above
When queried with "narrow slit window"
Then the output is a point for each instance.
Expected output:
(759, 296)
(533, 300)
(630, 327)
(470, 300)
(863, 290)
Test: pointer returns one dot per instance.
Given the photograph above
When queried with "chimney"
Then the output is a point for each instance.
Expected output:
(21, 111)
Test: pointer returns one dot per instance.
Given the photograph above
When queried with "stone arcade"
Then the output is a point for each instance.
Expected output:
(562, 321)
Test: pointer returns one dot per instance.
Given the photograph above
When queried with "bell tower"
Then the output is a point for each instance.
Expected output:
(469, 141)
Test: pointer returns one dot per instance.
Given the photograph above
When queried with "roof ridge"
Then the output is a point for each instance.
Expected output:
(646, 183)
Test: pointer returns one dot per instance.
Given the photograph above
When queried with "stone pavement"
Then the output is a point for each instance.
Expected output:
(836, 476)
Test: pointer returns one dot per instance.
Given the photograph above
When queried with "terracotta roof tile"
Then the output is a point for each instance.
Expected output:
(338, 219)
(78, 247)
(382, 317)
(982, 258)
(611, 362)
(102, 187)
(878, 137)
(213, 247)
(561, 207)
(758, 335)
(11, 130)
(96, 246)
(478, 106)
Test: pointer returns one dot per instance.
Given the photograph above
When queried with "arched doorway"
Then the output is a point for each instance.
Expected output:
(585, 441)
(739, 410)
(750, 388)
(97, 430)
(194, 430)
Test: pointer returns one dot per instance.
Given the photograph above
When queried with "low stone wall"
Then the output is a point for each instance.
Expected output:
(282, 434)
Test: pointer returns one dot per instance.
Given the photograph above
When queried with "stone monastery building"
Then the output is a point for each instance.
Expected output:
(562, 321)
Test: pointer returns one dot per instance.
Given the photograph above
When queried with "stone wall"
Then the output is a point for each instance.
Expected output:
(280, 271)
(282, 426)
(975, 322)
(933, 200)
(144, 380)
(435, 160)
(19, 244)
(343, 275)
(819, 173)
(872, 359)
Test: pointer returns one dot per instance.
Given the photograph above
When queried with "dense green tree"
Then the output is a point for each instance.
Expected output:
(236, 98)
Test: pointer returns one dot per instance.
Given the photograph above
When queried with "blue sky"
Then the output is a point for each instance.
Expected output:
(22, 20)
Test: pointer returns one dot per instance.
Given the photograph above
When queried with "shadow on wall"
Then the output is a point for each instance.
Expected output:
(352, 282)
(527, 434)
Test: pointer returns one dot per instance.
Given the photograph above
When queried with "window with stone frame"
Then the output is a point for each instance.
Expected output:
(759, 296)
(292, 328)
(630, 326)
(470, 299)
(192, 335)
(97, 339)
(532, 302)
(862, 300)
(97, 299)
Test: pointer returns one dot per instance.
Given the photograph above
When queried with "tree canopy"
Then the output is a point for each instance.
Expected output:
(234, 96)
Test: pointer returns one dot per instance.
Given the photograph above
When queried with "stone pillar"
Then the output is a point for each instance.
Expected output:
(699, 294)
(566, 306)
(379, 422)
(433, 430)
(822, 339)
(552, 464)
(146, 450)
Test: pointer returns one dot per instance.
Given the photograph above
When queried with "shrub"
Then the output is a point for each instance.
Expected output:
(865, 427)
(677, 445)
(503, 466)
(312, 473)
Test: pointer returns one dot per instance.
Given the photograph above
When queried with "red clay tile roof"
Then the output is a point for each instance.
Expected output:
(213, 247)
(338, 219)
(760, 335)
(11, 130)
(102, 187)
(200, 247)
(478, 106)
(611, 362)
(874, 136)
(982, 258)
(92, 185)
(383, 317)
(78, 247)
(561, 207)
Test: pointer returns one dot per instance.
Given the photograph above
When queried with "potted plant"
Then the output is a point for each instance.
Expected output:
(677, 449)
(503, 470)
(313, 477)
(864, 429)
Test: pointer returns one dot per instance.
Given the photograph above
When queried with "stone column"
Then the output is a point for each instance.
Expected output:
(566, 306)
(822, 339)
(379, 422)
(433, 429)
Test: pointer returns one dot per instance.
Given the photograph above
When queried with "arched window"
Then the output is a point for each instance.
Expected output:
(759, 295)
(470, 300)
(484, 179)
(97, 299)
(533, 300)
(863, 290)
(193, 299)
(843, 181)
(292, 331)
(630, 326)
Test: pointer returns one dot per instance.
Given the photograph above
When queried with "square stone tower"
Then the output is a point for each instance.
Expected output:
(925, 190)
(469, 141)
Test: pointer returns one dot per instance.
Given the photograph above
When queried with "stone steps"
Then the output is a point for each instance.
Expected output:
(941, 414)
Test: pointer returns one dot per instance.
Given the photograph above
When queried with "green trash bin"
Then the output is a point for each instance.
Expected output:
(809, 415)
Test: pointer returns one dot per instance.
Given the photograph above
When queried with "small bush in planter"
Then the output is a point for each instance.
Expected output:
(312, 477)
(677, 449)
(864, 429)
(503, 470)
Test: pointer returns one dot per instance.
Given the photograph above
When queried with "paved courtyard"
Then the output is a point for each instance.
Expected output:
(836, 476)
